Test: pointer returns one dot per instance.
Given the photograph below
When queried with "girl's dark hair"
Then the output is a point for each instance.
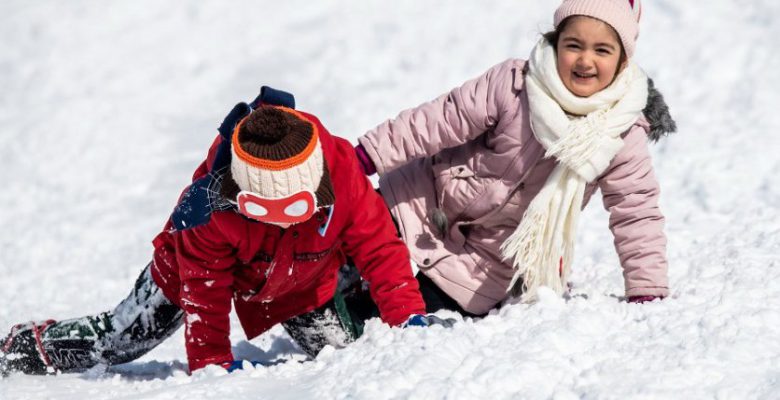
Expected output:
(553, 36)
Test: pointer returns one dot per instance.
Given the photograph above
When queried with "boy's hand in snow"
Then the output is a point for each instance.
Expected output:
(428, 320)
(239, 364)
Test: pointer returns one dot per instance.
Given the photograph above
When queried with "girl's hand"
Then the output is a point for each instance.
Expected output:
(643, 299)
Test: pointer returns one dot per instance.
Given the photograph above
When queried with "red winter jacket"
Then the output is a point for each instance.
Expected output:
(271, 274)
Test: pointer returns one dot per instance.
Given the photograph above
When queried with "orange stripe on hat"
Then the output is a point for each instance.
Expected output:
(279, 165)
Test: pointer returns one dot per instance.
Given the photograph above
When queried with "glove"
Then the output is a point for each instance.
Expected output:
(642, 299)
(365, 161)
(428, 320)
(239, 364)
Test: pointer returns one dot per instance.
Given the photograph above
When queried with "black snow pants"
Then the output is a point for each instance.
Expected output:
(146, 318)
(142, 321)
(139, 323)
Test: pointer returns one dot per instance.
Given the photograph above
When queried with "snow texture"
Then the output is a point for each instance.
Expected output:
(107, 108)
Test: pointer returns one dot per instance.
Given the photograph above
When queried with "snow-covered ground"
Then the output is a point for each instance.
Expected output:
(106, 107)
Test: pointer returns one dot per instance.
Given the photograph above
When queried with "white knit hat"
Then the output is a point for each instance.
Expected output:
(621, 15)
(276, 153)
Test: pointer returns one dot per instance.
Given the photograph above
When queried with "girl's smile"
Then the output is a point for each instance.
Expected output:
(583, 77)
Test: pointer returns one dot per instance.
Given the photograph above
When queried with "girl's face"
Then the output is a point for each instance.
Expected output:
(589, 52)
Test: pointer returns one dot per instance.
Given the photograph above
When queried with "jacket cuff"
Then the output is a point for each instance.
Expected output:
(373, 156)
(365, 161)
(198, 363)
(657, 291)
(399, 319)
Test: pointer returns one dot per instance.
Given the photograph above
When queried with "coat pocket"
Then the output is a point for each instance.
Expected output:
(249, 277)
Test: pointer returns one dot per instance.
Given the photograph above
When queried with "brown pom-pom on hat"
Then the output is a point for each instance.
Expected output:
(276, 152)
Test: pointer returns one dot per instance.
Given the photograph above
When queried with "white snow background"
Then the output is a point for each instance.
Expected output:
(106, 108)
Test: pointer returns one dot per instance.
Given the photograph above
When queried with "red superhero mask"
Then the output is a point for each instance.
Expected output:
(288, 210)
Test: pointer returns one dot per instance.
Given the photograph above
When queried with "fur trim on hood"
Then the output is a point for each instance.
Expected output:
(657, 114)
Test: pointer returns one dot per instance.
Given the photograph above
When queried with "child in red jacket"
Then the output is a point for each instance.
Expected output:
(265, 226)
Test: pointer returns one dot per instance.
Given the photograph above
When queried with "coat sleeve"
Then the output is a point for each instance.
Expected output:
(205, 261)
(380, 256)
(630, 193)
(448, 121)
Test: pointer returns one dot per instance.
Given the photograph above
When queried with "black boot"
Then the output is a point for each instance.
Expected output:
(22, 350)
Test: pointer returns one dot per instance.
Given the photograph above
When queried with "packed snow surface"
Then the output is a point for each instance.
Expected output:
(107, 107)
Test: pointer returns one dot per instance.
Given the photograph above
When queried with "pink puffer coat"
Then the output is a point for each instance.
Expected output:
(472, 154)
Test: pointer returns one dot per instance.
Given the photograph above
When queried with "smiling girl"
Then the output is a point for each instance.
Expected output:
(487, 181)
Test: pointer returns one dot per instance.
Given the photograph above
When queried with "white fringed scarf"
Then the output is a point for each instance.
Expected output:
(584, 135)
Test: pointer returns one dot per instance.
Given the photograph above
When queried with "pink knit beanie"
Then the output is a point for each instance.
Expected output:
(622, 15)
